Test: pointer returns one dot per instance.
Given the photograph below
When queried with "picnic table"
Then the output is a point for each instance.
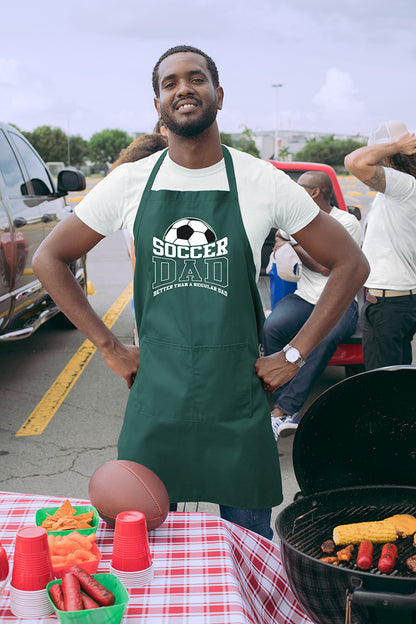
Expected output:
(206, 570)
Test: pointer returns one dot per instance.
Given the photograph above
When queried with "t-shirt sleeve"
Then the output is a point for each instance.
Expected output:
(352, 225)
(399, 185)
(101, 207)
(294, 208)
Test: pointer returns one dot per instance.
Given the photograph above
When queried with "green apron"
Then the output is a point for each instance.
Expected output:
(197, 414)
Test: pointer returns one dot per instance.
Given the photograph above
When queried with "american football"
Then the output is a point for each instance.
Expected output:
(189, 232)
(122, 485)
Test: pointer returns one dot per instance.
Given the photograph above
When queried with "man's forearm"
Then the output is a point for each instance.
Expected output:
(62, 286)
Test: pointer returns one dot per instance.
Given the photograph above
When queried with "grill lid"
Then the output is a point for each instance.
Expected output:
(361, 431)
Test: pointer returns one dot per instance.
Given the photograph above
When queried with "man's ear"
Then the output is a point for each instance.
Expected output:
(315, 192)
(157, 105)
(220, 96)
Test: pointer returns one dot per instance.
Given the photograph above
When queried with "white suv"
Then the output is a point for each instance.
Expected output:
(31, 204)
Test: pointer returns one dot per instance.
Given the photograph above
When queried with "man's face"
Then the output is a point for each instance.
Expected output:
(188, 101)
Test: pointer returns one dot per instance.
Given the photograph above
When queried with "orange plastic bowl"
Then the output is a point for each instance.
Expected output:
(88, 566)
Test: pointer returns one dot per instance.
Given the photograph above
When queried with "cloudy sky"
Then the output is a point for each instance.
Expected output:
(85, 65)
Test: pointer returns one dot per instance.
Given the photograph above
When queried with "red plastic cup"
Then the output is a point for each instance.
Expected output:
(131, 550)
(32, 568)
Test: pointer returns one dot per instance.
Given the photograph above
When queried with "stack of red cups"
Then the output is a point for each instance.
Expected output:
(32, 571)
(131, 559)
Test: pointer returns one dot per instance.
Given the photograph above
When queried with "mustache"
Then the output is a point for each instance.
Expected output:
(188, 99)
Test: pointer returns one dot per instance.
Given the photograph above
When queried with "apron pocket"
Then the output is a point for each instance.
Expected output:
(164, 374)
(222, 382)
(199, 384)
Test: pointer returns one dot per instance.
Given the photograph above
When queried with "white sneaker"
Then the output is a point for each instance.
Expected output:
(276, 423)
(288, 425)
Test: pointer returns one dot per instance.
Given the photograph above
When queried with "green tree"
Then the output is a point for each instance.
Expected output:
(104, 147)
(327, 150)
(226, 139)
(247, 144)
(51, 143)
(284, 153)
(78, 150)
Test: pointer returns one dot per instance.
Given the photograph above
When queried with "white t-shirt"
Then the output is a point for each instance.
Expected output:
(267, 196)
(312, 283)
(390, 239)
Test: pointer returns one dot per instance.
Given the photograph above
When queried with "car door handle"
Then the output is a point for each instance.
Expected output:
(47, 218)
(19, 222)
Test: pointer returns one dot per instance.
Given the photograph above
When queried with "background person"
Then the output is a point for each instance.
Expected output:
(291, 312)
(197, 414)
(388, 165)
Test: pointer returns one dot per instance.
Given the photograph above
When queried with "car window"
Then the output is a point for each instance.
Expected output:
(10, 169)
(38, 175)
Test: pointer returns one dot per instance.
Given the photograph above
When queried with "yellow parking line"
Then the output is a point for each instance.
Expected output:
(59, 390)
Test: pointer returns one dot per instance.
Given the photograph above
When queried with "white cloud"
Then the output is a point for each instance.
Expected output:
(338, 104)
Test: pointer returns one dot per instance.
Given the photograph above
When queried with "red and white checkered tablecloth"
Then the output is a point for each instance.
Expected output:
(206, 570)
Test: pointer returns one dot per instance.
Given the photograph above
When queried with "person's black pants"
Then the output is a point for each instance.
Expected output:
(388, 328)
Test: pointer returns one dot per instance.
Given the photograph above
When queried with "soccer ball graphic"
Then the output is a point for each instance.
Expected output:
(189, 232)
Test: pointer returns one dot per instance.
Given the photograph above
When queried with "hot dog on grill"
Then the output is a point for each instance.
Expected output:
(388, 558)
(365, 555)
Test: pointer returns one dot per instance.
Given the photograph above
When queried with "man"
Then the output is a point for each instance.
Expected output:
(292, 311)
(388, 165)
(197, 414)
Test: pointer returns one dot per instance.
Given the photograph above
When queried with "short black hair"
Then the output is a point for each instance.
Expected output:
(184, 48)
(323, 182)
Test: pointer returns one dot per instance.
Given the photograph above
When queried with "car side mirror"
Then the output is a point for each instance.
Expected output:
(71, 180)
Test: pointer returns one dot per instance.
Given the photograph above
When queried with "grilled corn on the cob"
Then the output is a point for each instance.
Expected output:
(376, 532)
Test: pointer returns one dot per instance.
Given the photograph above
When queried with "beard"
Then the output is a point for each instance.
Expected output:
(191, 127)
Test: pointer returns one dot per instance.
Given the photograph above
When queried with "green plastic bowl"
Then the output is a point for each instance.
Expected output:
(102, 615)
(44, 512)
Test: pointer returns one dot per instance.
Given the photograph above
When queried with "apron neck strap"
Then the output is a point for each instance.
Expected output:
(229, 167)
(155, 169)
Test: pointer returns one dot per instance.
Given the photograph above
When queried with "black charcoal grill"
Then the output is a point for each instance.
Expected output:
(355, 460)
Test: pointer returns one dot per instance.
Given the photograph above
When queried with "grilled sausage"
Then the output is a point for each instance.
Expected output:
(93, 588)
(388, 558)
(57, 596)
(365, 555)
(88, 603)
(72, 592)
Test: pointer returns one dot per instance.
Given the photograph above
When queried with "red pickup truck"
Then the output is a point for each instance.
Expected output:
(350, 354)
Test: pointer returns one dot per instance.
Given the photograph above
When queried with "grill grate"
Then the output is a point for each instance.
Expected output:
(313, 528)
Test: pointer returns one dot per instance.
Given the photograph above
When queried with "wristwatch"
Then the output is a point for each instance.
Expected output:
(293, 356)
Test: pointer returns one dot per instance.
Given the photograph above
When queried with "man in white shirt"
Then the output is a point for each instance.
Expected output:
(294, 309)
(388, 165)
(199, 214)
